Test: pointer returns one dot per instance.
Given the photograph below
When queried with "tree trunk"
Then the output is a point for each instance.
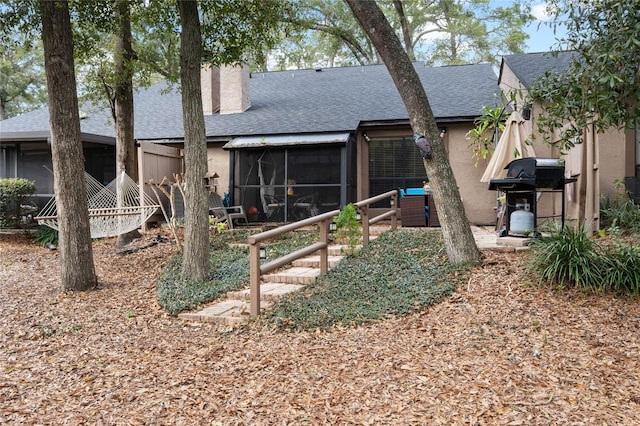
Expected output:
(126, 158)
(196, 218)
(406, 31)
(77, 271)
(459, 241)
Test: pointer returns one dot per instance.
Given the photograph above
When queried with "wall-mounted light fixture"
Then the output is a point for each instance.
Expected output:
(263, 252)
(392, 202)
(526, 112)
(366, 137)
(358, 217)
(333, 227)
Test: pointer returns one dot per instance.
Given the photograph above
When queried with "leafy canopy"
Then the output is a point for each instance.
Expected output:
(602, 84)
(438, 32)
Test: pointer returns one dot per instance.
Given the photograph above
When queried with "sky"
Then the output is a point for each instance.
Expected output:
(541, 36)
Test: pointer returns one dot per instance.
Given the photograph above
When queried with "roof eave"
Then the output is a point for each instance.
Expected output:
(45, 135)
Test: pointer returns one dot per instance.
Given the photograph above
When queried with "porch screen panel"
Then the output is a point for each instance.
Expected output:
(314, 177)
(260, 176)
(289, 183)
(394, 163)
(36, 166)
(100, 162)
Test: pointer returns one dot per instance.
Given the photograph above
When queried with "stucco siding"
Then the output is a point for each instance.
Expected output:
(218, 162)
(477, 199)
(612, 149)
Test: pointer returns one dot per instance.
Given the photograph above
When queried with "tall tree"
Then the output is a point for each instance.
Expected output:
(323, 32)
(458, 238)
(104, 48)
(602, 84)
(471, 31)
(126, 153)
(21, 77)
(196, 219)
(76, 254)
(438, 32)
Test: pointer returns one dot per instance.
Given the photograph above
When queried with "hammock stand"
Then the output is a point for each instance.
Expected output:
(115, 209)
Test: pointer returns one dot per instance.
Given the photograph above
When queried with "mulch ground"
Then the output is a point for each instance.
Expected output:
(495, 353)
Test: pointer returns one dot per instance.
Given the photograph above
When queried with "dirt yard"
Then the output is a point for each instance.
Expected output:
(496, 353)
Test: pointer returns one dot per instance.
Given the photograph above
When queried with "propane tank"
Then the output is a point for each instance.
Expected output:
(521, 222)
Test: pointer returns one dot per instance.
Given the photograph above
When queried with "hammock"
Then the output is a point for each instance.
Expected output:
(114, 209)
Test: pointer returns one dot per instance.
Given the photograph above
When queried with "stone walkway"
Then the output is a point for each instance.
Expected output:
(235, 308)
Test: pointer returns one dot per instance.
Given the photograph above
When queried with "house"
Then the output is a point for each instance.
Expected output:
(291, 143)
(25, 149)
(331, 135)
(597, 164)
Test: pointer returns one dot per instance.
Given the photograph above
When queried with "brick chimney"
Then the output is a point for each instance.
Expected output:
(234, 89)
(210, 82)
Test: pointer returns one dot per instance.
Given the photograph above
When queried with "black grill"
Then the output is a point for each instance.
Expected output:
(526, 178)
(532, 173)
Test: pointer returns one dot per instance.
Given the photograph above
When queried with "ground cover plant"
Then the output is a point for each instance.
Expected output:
(398, 273)
(228, 269)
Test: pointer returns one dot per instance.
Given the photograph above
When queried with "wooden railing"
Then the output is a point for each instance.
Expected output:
(323, 220)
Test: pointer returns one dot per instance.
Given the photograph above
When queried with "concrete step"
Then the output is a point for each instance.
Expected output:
(513, 241)
(228, 312)
(268, 291)
(342, 249)
(314, 261)
(294, 275)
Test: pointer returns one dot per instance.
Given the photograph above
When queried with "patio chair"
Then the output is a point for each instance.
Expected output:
(221, 213)
(306, 206)
(274, 208)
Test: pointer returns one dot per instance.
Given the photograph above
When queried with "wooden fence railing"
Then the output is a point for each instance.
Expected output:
(323, 220)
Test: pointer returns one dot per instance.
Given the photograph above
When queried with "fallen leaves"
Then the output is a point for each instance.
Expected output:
(494, 353)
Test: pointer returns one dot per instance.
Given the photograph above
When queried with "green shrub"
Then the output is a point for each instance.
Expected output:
(570, 258)
(620, 213)
(45, 236)
(14, 193)
(621, 268)
(566, 257)
(397, 273)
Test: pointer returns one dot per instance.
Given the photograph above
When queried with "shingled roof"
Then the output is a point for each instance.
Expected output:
(531, 66)
(332, 100)
(96, 126)
(300, 101)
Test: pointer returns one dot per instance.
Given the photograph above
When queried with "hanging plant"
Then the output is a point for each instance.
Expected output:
(486, 132)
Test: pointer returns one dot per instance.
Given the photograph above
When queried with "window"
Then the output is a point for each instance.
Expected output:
(394, 163)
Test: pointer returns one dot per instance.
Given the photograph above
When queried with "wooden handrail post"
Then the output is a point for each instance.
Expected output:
(394, 218)
(254, 279)
(364, 216)
(324, 252)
